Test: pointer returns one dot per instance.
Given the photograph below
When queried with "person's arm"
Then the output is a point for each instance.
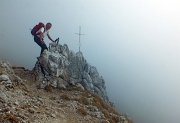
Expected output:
(40, 33)
(41, 37)
(50, 38)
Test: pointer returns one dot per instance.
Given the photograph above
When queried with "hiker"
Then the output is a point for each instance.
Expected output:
(41, 34)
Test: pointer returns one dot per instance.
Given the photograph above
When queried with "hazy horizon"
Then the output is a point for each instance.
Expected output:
(133, 44)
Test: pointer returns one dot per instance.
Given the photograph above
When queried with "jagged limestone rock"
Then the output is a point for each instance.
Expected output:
(7, 75)
(80, 86)
(4, 78)
(70, 68)
(3, 97)
(61, 83)
(23, 99)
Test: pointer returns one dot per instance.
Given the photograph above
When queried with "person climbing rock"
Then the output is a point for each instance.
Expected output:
(39, 32)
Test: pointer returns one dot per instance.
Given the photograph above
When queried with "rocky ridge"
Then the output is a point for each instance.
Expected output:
(60, 67)
(62, 88)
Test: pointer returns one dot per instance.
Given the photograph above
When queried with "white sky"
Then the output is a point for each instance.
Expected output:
(134, 44)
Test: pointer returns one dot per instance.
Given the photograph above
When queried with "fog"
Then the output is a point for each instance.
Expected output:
(134, 44)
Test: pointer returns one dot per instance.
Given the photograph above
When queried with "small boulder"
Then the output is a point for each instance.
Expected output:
(3, 97)
(4, 78)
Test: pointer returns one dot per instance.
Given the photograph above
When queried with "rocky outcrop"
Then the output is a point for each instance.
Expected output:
(60, 67)
(7, 75)
(22, 102)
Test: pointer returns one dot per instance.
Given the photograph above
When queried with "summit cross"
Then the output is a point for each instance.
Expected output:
(79, 37)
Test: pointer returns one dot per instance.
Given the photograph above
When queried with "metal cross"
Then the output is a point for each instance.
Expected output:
(79, 36)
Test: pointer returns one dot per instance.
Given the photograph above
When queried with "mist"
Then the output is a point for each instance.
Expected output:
(133, 44)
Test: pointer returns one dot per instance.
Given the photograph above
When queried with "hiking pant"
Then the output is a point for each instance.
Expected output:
(38, 41)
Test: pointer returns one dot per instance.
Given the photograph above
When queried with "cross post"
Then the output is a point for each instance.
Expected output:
(79, 37)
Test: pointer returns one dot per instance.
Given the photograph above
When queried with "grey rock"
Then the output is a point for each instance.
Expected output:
(3, 97)
(16, 103)
(54, 83)
(112, 104)
(123, 119)
(4, 78)
(93, 109)
(127, 116)
(2, 88)
(96, 114)
(19, 92)
(61, 83)
(80, 86)
(64, 68)
(53, 115)
(31, 110)
(73, 81)
(87, 68)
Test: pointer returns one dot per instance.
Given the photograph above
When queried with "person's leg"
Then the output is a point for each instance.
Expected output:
(43, 46)
(37, 40)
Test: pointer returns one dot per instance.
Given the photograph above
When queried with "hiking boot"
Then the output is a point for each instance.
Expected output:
(44, 53)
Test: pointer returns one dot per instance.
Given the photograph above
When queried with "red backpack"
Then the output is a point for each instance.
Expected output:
(36, 28)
